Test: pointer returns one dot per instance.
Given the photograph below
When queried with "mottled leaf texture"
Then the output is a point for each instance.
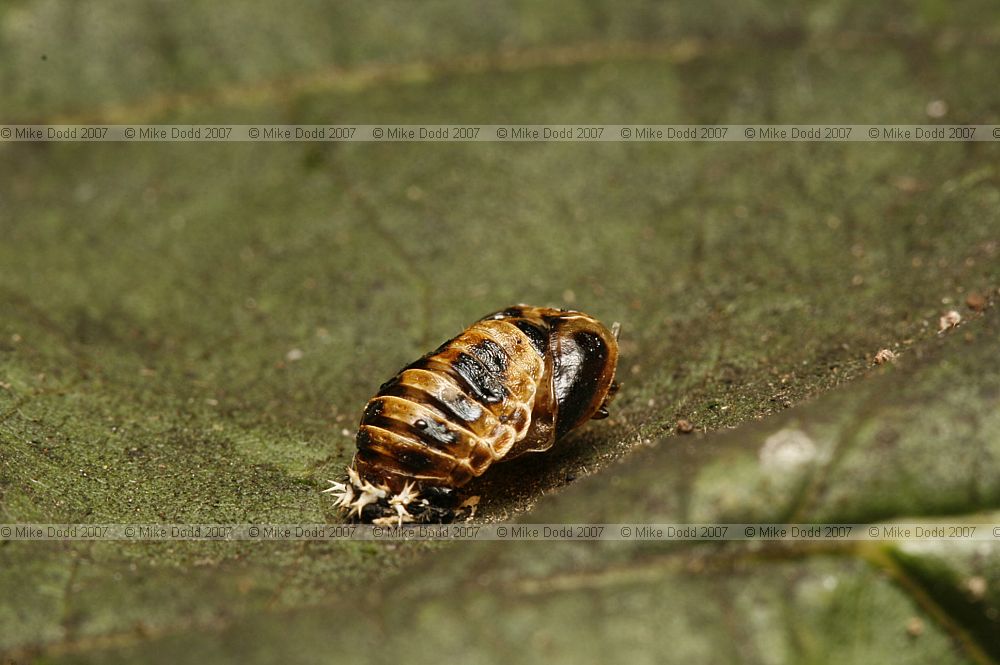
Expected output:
(188, 332)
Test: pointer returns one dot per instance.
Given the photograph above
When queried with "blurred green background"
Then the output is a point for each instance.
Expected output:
(188, 331)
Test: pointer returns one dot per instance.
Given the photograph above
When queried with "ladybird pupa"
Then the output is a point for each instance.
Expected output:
(514, 382)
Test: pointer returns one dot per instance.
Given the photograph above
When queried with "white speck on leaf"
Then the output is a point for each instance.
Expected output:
(884, 356)
(787, 449)
(949, 320)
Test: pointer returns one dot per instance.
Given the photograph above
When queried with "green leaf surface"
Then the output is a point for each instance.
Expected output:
(188, 331)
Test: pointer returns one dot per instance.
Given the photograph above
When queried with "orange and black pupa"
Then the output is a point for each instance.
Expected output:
(514, 382)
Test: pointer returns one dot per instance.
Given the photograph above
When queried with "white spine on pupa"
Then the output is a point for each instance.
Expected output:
(355, 494)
